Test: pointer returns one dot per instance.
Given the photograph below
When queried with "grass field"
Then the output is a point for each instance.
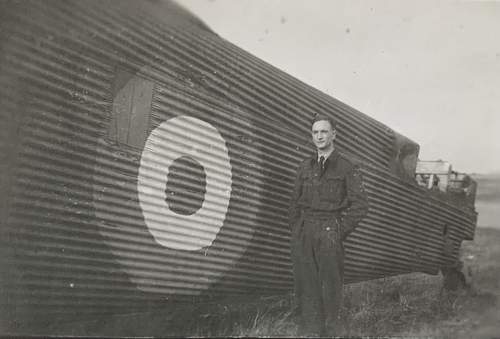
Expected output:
(488, 199)
(411, 306)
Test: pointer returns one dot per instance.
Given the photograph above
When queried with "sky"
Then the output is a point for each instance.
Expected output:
(428, 69)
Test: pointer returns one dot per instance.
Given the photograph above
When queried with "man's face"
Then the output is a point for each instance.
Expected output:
(323, 135)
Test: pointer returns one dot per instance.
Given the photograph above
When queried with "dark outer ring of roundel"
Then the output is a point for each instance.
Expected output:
(198, 260)
(186, 186)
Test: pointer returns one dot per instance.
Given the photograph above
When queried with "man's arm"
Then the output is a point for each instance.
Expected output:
(294, 210)
(357, 201)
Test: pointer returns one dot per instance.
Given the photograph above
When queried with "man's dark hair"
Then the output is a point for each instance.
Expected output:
(321, 117)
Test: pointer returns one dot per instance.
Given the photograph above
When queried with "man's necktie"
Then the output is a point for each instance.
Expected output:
(321, 163)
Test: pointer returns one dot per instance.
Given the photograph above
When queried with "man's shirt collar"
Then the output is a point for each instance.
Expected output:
(324, 155)
(332, 156)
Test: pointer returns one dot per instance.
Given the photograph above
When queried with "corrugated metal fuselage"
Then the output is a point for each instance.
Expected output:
(144, 159)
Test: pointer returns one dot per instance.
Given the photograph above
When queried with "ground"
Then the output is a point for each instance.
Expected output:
(413, 305)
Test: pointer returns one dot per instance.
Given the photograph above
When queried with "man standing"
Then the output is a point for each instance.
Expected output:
(327, 204)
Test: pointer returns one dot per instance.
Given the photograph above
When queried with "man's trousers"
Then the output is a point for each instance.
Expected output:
(318, 262)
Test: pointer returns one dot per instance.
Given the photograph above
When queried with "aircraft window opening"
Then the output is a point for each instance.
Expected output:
(130, 114)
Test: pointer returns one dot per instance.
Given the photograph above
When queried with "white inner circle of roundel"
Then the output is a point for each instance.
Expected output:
(172, 139)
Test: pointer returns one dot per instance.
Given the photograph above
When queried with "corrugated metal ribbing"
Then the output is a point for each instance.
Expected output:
(376, 253)
(386, 242)
(404, 223)
(5, 120)
(267, 93)
(61, 99)
(212, 70)
(182, 54)
(242, 212)
(148, 163)
(289, 98)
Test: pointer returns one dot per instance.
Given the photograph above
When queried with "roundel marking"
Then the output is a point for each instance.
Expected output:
(149, 265)
(192, 138)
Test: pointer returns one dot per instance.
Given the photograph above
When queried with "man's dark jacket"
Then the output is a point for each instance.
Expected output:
(338, 189)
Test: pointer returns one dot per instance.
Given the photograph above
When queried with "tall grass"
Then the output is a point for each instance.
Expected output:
(408, 305)
(391, 306)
